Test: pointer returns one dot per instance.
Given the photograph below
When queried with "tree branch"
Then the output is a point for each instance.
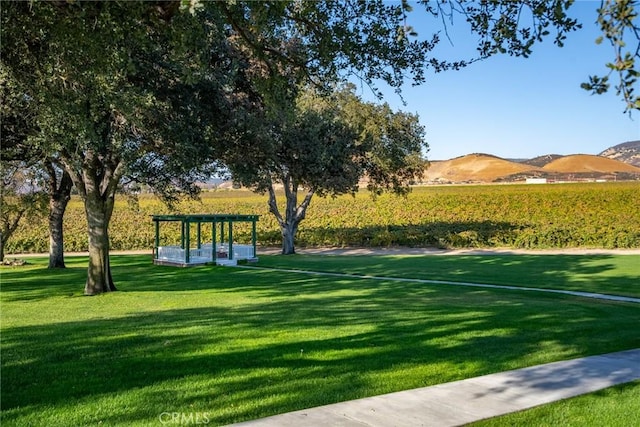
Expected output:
(302, 209)
(273, 204)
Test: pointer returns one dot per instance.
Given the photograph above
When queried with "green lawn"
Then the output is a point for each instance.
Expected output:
(617, 406)
(234, 344)
(606, 274)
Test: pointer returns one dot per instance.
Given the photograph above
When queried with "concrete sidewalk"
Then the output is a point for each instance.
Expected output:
(473, 399)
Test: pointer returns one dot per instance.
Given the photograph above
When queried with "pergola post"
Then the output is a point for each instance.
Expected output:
(187, 242)
(156, 242)
(214, 244)
(182, 234)
(230, 256)
(253, 237)
(198, 234)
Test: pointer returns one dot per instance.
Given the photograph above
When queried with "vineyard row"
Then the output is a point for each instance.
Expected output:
(597, 215)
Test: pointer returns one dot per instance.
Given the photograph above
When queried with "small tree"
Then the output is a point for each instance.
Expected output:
(59, 185)
(18, 114)
(19, 198)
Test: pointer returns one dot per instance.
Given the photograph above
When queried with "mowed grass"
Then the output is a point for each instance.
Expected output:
(605, 274)
(617, 406)
(235, 344)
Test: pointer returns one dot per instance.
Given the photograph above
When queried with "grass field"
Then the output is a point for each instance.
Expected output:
(235, 344)
(605, 274)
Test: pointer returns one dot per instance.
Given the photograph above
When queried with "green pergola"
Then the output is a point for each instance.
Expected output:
(221, 250)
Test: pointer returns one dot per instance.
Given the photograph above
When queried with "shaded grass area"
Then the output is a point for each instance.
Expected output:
(242, 344)
(617, 406)
(606, 274)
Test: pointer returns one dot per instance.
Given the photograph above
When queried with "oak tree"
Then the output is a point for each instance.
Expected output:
(120, 93)
(18, 114)
(325, 147)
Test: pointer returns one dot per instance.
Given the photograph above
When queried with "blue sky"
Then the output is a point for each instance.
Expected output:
(519, 107)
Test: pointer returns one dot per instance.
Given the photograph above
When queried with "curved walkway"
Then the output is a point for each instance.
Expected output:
(460, 402)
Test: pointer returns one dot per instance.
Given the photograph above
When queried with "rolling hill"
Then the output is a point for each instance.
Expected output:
(628, 152)
(585, 163)
(486, 168)
(474, 168)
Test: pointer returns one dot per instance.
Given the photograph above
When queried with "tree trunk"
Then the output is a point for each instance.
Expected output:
(59, 196)
(56, 236)
(97, 181)
(288, 236)
(294, 213)
(99, 278)
(9, 225)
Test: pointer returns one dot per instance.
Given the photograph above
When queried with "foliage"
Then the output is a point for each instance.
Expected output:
(391, 142)
(617, 21)
(598, 215)
(329, 41)
(112, 82)
(243, 344)
(120, 96)
(325, 146)
(20, 199)
(509, 27)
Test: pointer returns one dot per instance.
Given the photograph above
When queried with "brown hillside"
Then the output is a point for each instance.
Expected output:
(475, 168)
(585, 163)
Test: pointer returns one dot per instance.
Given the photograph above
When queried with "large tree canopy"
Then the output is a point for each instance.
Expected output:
(332, 40)
(121, 93)
(18, 117)
(372, 41)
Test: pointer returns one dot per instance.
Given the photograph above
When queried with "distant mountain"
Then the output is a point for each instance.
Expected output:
(540, 161)
(476, 167)
(628, 152)
(485, 168)
(586, 163)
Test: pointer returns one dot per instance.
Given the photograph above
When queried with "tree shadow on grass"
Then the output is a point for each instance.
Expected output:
(615, 275)
(254, 346)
